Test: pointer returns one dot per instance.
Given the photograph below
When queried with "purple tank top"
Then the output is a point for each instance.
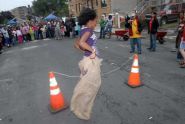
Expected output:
(91, 41)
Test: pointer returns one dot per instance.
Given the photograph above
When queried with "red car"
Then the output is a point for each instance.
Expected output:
(170, 12)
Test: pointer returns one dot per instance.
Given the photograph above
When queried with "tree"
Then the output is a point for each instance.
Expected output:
(5, 15)
(45, 7)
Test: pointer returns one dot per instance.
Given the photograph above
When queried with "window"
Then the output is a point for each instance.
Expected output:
(103, 3)
(96, 2)
(174, 7)
(87, 3)
(79, 7)
(76, 7)
(166, 8)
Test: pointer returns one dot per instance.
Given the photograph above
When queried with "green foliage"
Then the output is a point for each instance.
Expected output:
(45, 7)
(5, 16)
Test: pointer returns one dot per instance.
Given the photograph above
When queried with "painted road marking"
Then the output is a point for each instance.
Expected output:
(6, 80)
(28, 48)
(124, 46)
(170, 37)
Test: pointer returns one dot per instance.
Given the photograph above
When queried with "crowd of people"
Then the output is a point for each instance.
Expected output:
(14, 35)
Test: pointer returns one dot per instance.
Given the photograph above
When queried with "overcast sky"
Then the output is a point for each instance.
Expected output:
(10, 4)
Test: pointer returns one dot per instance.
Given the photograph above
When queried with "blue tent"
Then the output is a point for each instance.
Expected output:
(12, 22)
(51, 17)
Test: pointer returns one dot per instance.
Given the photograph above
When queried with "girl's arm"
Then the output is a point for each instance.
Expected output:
(83, 44)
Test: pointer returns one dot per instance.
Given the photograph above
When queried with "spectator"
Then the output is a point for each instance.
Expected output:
(31, 32)
(73, 24)
(35, 29)
(19, 35)
(68, 27)
(135, 29)
(40, 36)
(63, 29)
(10, 33)
(27, 29)
(43, 31)
(182, 44)
(1, 40)
(108, 27)
(6, 36)
(102, 26)
(48, 30)
(127, 18)
(57, 31)
(52, 29)
(24, 33)
(178, 38)
(153, 27)
(14, 39)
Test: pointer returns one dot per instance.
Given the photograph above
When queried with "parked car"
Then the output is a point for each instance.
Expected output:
(171, 12)
(168, 12)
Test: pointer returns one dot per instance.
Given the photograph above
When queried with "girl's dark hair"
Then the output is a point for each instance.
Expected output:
(86, 15)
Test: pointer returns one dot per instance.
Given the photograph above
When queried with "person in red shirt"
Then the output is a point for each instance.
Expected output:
(182, 44)
(153, 27)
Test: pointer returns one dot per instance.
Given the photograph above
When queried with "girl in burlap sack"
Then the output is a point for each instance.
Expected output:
(90, 80)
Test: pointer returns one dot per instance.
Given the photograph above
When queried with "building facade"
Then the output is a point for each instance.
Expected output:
(20, 12)
(123, 6)
(101, 6)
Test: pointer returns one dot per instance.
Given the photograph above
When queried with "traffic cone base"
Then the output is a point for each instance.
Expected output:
(57, 101)
(134, 86)
(52, 110)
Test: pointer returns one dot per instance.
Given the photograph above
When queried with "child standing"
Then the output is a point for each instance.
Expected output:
(31, 32)
(63, 29)
(14, 39)
(19, 35)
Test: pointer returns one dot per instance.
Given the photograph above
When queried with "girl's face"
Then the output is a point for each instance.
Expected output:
(92, 23)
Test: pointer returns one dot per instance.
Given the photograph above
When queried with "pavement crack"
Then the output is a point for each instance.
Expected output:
(113, 106)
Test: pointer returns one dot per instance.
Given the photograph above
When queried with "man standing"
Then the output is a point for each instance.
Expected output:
(1, 40)
(153, 27)
(6, 36)
(127, 18)
(102, 26)
(135, 29)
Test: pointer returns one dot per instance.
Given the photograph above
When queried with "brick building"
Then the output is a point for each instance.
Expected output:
(101, 6)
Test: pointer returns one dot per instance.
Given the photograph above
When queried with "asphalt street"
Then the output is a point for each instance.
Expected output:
(24, 84)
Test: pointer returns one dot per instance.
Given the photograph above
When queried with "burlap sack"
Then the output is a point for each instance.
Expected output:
(85, 91)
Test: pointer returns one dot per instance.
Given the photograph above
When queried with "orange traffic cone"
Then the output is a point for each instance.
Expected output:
(57, 102)
(134, 77)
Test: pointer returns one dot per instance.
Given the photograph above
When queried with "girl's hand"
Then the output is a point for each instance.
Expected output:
(93, 55)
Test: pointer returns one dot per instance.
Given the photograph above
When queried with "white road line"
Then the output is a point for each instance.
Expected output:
(28, 48)
(5, 80)
(170, 37)
(124, 46)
